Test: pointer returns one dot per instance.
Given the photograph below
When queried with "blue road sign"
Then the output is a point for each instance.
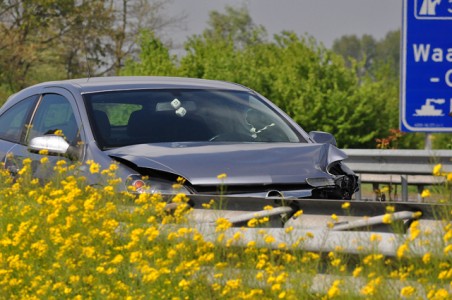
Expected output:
(426, 79)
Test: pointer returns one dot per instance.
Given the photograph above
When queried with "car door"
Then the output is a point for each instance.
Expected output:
(54, 114)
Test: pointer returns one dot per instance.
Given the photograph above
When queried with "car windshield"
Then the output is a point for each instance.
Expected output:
(121, 118)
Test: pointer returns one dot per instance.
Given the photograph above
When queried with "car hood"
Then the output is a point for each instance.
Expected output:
(253, 163)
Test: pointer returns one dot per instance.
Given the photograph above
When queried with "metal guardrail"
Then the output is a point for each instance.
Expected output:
(351, 230)
(404, 167)
(414, 162)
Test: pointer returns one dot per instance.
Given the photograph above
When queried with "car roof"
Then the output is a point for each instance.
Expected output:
(99, 84)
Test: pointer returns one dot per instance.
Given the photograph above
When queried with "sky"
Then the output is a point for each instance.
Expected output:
(325, 20)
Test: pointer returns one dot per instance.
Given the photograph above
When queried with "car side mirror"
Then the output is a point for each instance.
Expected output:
(322, 137)
(54, 145)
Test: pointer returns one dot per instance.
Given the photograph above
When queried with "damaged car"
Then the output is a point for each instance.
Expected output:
(159, 129)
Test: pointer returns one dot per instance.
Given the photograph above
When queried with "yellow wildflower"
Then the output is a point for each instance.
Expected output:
(437, 170)
(117, 259)
(384, 189)
(387, 219)
(445, 274)
(374, 237)
(407, 291)
(43, 152)
(222, 224)
(184, 284)
(260, 276)
(334, 290)
(417, 215)
(346, 205)
(220, 237)
(73, 279)
(276, 287)
(449, 177)
(439, 294)
(426, 258)
(263, 220)
(368, 290)
(94, 168)
(390, 209)
(282, 246)
(298, 213)
(61, 163)
(288, 229)
(414, 230)
(233, 283)
(222, 176)
(448, 235)
(59, 132)
(357, 271)
(401, 250)
(251, 244)
(425, 193)
(253, 222)
(269, 239)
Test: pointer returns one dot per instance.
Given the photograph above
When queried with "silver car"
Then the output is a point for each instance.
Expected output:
(161, 128)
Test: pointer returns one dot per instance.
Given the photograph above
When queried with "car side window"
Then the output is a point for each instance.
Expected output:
(12, 122)
(54, 115)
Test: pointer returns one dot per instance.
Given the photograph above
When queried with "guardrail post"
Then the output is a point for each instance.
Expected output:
(420, 188)
(358, 193)
(376, 190)
(404, 182)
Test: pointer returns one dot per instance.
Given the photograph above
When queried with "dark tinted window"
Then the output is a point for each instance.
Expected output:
(12, 122)
(122, 118)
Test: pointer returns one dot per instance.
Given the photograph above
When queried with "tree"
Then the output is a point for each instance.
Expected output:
(154, 58)
(236, 25)
(313, 86)
(131, 17)
(22, 22)
(309, 82)
(354, 50)
(218, 50)
(387, 60)
(48, 33)
(72, 38)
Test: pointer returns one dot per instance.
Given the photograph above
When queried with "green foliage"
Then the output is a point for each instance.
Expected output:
(154, 58)
(307, 81)
(4, 94)
(442, 141)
